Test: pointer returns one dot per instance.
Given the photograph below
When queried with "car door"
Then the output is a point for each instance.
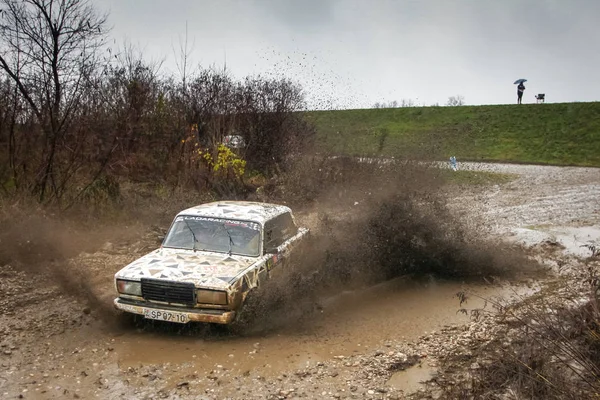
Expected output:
(280, 235)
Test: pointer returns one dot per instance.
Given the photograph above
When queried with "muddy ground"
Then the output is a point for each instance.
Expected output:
(376, 343)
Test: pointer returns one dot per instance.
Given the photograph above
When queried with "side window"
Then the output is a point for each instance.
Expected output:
(278, 230)
(270, 235)
(287, 226)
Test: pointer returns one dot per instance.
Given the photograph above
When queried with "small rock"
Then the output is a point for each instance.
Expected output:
(371, 392)
(87, 310)
(7, 352)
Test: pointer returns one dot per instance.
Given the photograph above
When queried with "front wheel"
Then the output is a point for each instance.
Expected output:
(244, 316)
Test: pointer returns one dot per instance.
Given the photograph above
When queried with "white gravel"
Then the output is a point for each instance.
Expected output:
(540, 196)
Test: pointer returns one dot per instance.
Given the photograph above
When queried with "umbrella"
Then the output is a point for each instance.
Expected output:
(520, 81)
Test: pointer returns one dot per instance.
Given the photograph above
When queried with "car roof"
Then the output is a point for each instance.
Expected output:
(238, 210)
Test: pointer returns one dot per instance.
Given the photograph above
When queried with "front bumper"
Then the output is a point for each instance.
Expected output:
(193, 314)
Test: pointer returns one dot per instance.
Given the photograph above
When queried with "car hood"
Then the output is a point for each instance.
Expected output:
(204, 269)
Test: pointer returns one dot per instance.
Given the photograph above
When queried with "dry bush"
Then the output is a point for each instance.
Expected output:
(110, 115)
(549, 349)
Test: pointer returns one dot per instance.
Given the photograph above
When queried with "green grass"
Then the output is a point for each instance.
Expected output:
(561, 133)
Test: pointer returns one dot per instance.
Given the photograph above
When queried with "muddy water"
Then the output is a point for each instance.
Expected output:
(412, 379)
(350, 322)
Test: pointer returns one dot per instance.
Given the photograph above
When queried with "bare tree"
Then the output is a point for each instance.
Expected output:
(391, 104)
(182, 55)
(407, 103)
(49, 49)
(454, 101)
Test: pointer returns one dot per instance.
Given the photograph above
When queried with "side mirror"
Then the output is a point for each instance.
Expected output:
(160, 239)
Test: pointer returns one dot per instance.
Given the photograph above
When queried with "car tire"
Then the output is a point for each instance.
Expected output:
(244, 316)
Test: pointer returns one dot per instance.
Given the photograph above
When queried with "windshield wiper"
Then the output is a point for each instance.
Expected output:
(231, 244)
(193, 234)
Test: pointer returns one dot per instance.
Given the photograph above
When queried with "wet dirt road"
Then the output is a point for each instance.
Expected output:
(90, 359)
(53, 346)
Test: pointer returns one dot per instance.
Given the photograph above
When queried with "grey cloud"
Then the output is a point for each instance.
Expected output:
(361, 51)
(297, 15)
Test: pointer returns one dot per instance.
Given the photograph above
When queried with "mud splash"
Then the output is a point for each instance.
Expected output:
(398, 224)
(47, 248)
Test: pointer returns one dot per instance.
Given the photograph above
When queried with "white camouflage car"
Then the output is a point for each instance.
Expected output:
(212, 256)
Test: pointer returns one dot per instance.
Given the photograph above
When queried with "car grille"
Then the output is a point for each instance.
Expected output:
(169, 292)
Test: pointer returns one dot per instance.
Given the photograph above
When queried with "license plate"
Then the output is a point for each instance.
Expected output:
(170, 316)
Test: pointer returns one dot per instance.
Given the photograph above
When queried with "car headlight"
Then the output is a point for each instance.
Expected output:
(211, 297)
(129, 287)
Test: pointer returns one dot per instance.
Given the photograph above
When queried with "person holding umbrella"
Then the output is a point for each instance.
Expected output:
(520, 89)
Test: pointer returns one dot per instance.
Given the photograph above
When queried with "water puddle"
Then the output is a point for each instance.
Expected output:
(572, 239)
(353, 322)
(575, 239)
(412, 379)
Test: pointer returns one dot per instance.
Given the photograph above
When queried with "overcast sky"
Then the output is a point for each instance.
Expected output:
(353, 53)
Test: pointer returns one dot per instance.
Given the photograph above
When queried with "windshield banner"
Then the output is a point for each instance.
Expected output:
(232, 222)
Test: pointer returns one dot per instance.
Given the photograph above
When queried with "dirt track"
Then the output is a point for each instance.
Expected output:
(56, 347)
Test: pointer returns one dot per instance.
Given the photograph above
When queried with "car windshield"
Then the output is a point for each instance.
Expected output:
(214, 234)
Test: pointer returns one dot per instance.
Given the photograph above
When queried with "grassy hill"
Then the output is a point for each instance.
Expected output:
(561, 133)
